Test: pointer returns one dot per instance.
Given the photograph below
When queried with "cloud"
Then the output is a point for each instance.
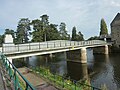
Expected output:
(84, 14)
(116, 4)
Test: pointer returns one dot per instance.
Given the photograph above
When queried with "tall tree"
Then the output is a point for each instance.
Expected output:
(103, 28)
(43, 31)
(37, 34)
(63, 32)
(45, 23)
(23, 31)
(53, 33)
(74, 35)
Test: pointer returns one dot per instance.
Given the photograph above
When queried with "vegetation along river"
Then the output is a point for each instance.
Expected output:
(100, 69)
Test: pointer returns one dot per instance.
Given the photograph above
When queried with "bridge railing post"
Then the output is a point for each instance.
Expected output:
(18, 47)
(39, 45)
(65, 43)
(47, 44)
(60, 43)
(54, 44)
(29, 46)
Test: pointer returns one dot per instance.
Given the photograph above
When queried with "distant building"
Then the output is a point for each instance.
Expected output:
(115, 30)
(106, 38)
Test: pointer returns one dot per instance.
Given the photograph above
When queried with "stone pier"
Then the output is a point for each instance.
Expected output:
(77, 55)
(83, 55)
(101, 50)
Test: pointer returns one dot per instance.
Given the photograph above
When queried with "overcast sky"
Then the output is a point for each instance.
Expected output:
(84, 14)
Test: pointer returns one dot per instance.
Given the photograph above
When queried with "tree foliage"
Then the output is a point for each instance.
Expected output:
(80, 36)
(94, 38)
(37, 34)
(63, 32)
(103, 28)
(45, 25)
(74, 35)
(23, 31)
(43, 30)
(53, 33)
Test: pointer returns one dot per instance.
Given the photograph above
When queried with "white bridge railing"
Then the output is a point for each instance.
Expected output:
(29, 47)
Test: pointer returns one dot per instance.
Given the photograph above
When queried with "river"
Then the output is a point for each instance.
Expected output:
(100, 69)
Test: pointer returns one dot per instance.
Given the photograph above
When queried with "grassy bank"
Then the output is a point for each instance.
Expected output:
(63, 82)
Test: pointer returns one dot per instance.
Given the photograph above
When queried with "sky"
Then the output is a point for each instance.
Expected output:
(84, 14)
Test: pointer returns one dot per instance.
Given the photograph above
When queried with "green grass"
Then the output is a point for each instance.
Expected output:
(60, 81)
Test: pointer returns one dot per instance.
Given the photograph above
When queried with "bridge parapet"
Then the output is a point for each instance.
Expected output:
(39, 46)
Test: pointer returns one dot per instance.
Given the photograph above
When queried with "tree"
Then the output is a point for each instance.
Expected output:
(79, 36)
(63, 31)
(53, 33)
(45, 24)
(23, 31)
(43, 31)
(103, 28)
(74, 35)
(94, 38)
(37, 34)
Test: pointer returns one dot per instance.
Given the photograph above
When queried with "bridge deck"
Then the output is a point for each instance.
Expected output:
(49, 45)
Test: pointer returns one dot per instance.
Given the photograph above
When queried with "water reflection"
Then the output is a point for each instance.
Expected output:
(115, 61)
(77, 71)
(102, 72)
(56, 63)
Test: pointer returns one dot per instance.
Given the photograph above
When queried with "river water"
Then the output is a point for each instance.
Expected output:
(100, 69)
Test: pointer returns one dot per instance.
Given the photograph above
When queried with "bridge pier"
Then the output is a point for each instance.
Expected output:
(83, 55)
(77, 55)
(101, 50)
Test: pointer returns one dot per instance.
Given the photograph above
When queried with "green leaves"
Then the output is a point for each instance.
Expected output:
(75, 36)
(63, 32)
(23, 31)
(43, 30)
(103, 28)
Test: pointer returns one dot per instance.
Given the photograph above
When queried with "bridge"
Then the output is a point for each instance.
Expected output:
(30, 49)
(40, 48)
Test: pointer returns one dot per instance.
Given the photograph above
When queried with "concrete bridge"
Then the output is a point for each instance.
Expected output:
(40, 48)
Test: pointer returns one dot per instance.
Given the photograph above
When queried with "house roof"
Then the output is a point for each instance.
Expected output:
(117, 17)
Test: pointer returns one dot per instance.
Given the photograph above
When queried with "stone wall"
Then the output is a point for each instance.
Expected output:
(115, 33)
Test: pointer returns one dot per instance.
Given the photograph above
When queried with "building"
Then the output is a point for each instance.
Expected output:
(106, 38)
(115, 30)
